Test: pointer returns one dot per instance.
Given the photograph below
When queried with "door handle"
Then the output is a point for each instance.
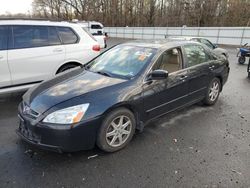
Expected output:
(183, 77)
(58, 50)
(211, 67)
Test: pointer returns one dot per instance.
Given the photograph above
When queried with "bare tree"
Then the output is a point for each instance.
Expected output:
(148, 12)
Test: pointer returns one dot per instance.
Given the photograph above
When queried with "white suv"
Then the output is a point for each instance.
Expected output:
(32, 51)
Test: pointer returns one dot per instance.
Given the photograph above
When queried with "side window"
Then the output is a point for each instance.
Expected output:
(170, 61)
(196, 55)
(22, 36)
(30, 36)
(3, 37)
(53, 36)
(207, 43)
(40, 36)
(67, 35)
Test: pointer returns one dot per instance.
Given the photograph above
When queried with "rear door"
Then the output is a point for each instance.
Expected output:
(34, 53)
(161, 96)
(198, 63)
(5, 76)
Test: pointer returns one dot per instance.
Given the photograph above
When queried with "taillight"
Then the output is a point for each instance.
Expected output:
(96, 47)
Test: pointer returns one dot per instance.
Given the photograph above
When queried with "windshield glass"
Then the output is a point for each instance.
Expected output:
(122, 61)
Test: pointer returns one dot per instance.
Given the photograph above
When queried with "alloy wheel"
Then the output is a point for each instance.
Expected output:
(214, 91)
(118, 131)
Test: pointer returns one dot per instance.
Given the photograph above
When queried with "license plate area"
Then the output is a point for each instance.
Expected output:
(26, 132)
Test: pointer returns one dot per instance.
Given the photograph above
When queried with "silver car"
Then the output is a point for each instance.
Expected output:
(209, 44)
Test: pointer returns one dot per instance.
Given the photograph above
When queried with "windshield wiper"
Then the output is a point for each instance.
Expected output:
(104, 73)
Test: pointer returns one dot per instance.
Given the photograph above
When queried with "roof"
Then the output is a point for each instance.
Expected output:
(35, 22)
(165, 43)
(184, 37)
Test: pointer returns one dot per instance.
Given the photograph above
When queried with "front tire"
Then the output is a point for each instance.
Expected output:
(242, 60)
(213, 92)
(116, 130)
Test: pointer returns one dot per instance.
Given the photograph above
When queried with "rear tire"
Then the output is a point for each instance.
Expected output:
(242, 60)
(213, 92)
(117, 130)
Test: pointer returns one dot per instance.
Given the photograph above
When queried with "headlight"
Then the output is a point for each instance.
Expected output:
(69, 115)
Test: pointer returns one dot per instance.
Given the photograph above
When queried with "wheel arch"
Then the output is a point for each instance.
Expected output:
(77, 63)
(128, 106)
(221, 81)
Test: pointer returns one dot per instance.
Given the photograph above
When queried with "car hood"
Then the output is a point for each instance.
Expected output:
(65, 87)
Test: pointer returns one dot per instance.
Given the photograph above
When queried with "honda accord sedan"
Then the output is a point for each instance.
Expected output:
(124, 88)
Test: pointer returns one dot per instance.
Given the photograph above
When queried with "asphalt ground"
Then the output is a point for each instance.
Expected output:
(195, 147)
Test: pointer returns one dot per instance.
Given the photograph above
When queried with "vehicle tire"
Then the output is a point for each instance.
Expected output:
(242, 60)
(66, 68)
(116, 130)
(213, 92)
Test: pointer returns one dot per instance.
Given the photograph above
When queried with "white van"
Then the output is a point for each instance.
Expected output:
(32, 51)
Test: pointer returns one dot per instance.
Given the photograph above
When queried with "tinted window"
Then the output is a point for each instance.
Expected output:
(22, 36)
(3, 37)
(53, 36)
(170, 61)
(96, 26)
(195, 55)
(30, 36)
(40, 36)
(67, 35)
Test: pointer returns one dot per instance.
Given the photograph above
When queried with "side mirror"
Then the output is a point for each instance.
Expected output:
(158, 75)
(215, 46)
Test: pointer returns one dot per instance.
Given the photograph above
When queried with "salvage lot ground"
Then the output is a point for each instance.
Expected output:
(194, 147)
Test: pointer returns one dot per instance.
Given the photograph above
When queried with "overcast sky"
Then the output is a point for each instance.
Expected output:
(15, 6)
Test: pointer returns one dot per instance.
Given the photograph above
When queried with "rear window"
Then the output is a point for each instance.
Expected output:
(196, 55)
(67, 35)
(3, 37)
(96, 26)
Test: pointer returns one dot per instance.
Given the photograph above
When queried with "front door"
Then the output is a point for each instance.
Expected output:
(5, 76)
(162, 96)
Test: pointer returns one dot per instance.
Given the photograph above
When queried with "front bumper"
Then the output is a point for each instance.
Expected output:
(81, 137)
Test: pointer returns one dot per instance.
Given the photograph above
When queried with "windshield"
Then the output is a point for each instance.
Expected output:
(122, 61)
